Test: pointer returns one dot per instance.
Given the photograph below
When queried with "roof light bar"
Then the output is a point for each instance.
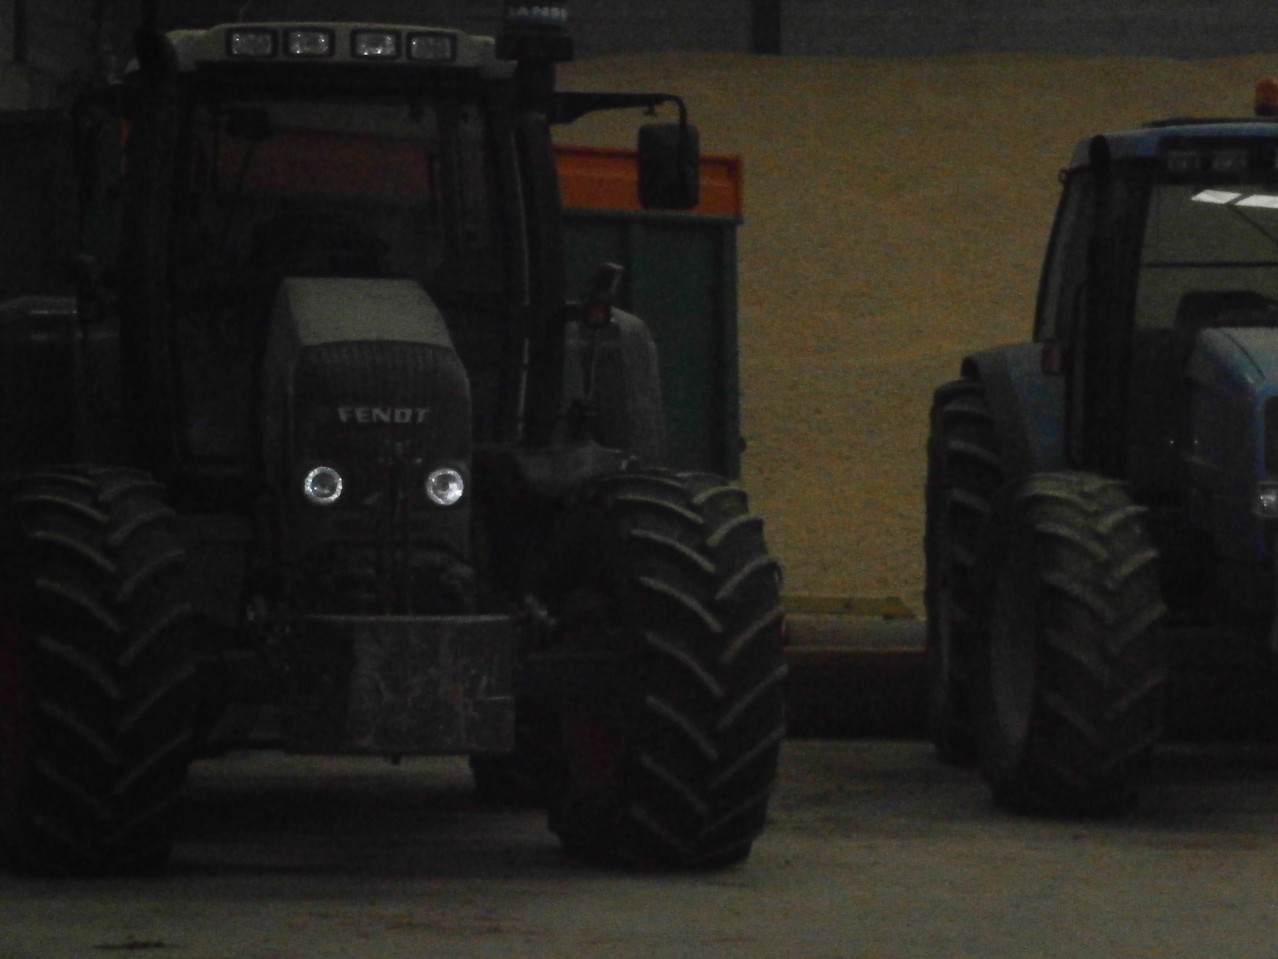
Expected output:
(1216, 163)
(375, 44)
(432, 47)
(251, 43)
(1182, 162)
(308, 43)
(428, 47)
(1229, 162)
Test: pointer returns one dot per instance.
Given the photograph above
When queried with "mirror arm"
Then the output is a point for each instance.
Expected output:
(569, 106)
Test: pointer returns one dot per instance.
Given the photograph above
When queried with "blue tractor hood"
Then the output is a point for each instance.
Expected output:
(1232, 450)
(1241, 362)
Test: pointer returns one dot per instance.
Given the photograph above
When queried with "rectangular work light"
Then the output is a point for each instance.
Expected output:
(432, 47)
(375, 44)
(308, 43)
(253, 43)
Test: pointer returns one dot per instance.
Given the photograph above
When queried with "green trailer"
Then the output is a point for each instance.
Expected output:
(681, 277)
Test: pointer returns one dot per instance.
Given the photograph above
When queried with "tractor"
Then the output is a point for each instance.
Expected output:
(1102, 501)
(322, 456)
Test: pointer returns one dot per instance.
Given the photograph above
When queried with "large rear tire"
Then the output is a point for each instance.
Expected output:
(1071, 666)
(964, 473)
(96, 704)
(674, 764)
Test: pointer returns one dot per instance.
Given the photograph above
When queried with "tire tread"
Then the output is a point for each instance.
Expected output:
(708, 669)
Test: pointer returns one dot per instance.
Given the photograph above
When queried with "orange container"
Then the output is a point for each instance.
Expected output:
(607, 178)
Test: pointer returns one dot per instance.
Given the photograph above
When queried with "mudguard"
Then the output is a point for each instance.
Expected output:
(628, 408)
(1028, 406)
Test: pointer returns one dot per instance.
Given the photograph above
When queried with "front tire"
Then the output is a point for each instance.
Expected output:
(675, 764)
(96, 705)
(965, 471)
(1071, 666)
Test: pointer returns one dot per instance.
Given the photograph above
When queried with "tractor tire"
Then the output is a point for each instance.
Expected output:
(96, 671)
(1071, 667)
(964, 473)
(671, 764)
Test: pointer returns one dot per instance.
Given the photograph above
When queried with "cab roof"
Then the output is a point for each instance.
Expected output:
(344, 43)
(1146, 142)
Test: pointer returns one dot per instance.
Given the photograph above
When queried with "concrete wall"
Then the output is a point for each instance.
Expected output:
(1182, 29)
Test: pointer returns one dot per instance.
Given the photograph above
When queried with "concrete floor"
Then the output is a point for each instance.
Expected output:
(875, 851)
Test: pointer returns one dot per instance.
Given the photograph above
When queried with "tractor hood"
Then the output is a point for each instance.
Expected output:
(368, 443)
(349, 356)
(1232, 451)
(1237, 362)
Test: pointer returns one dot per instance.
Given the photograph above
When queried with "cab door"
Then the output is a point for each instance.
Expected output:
(1096, 298)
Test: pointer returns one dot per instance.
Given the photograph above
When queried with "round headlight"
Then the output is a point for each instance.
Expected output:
(445, 486)
(322, 486)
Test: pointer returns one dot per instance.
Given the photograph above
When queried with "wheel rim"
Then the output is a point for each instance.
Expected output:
(1013, 652)
(14, 722)
(593, 731)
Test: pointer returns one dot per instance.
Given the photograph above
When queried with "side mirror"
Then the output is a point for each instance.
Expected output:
(669, 166)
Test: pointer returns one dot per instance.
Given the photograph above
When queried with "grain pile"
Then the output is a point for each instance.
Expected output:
(896, 216)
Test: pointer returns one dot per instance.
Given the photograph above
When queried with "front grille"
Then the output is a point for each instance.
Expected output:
(383, 414)
(351, 580)
(1271, 436)
(356, 399)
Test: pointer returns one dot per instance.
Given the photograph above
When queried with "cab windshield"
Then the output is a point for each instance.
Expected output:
(1209, 258)
(299, 185)
(1209, 250)
(307, 187)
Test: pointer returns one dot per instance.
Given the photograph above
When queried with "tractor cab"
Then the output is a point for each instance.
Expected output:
(257, 152)
(1159, 304)
(1160, 233)
(331, 358)
(249, 171)
(1107, 494)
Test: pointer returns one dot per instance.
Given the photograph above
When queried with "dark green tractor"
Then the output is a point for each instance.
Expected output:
(325, 456)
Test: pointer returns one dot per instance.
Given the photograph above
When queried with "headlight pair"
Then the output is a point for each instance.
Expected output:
(323, 486)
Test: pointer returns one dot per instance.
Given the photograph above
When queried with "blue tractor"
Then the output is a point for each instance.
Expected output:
(1109, 491)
